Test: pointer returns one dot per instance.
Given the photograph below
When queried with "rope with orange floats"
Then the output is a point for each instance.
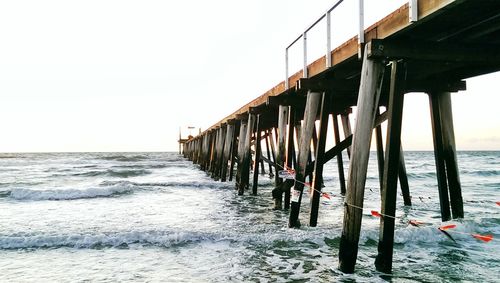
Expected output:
(445, 229)
(289, 173)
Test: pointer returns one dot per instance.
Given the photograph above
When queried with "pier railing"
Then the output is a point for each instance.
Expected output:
(413, 17)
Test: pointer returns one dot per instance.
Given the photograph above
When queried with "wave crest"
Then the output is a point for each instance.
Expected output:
(126, 173)
(70, 194)
(119, 239)
(125, 158)
(482, 173)
(159, 238)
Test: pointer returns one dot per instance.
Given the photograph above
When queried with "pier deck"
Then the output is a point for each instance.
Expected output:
(463, 25)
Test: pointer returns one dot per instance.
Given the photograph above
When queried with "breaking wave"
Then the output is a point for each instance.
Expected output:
(125, 173)
(125, 158)
(192, 184)
(105, 189)
(421, 175)
(148, 238)
(429, 233)
(408, 235)
(482, 173)
(122, 239)
(69, 194)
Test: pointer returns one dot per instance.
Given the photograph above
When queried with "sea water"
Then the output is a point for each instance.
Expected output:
(155, 217)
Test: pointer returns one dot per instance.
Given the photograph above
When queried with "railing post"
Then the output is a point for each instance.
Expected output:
(361, 33)
(413, 10)
(305, 74)
(328, 40)
(286, 69)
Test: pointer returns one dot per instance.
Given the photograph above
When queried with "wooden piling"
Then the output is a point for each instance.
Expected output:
(220, 140)
(245, 162)
(346, 125)
(197, 149)
(211, 155)
(211, 142)
(312, 104)
(383, 261)
(403, 179)
(313, 152)
(455, 188)
(280, 155)
(340, 162)
(268, 152)
(222, 144)
(215, 152)
(234, 148)
(205, 152)
(257, 155)
(193, 148)
(210, 151)
(369, 93)
(290, 154)
(437, 132)
(262, 167)
(227, 150)
(380, 152)
(445, 155)
(317, 181)
(199, 155)
(273, 152)
(298, 132)
(241, 146)
(199, 145)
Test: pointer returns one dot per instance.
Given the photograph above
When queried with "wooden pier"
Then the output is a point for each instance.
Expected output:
(428, 46)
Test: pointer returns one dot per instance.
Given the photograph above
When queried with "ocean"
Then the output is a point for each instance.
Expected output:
(155, 217)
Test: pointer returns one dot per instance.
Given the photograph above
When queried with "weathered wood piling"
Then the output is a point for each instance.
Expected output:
(428, 48)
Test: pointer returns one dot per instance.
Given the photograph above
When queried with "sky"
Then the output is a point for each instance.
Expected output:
(122, 75)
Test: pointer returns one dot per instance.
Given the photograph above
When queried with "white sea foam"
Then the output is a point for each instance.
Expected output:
(155, 238)
(71, 193)
(430, 233)
(162, 238)
(198, 184)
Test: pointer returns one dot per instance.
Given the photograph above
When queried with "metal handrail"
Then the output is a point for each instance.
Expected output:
(413, 17)
(304, 37)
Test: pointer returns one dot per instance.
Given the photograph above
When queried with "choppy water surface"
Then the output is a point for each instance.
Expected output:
(156, 217)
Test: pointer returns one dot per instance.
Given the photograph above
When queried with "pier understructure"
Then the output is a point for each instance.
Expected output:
(424, 46)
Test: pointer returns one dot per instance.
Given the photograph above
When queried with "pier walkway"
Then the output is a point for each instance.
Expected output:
(428, 46)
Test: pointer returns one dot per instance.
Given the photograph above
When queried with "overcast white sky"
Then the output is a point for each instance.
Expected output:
(115, 75)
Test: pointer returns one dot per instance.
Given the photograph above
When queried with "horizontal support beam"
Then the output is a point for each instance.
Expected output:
(327, 84)
(243, 116)
(344, 87)
(263, 108)
(286, 100)
(427, 86)
(433, 51)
